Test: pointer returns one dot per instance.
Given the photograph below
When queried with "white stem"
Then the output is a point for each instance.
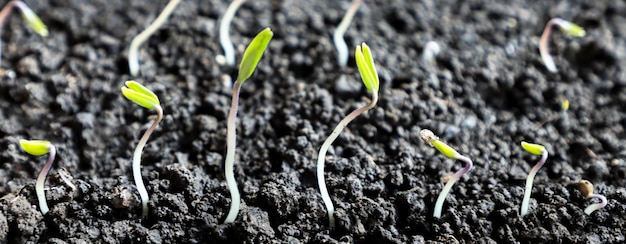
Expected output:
(340, 43)
(529, 183)
(230, 156)
(593, 207)
(39, 184)
(321, 157)
(133, 51)
(143, 193)
(442, 196)
(227, 45)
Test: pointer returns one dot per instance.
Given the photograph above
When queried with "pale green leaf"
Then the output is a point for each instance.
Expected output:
(253, 54)
(34, 22)
(535, 149)
(35, 147)
(140, 95)
(367, 69)
(445, 149)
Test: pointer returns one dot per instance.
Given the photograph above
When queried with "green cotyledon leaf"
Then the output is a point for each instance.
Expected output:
(34, 22)
(253, 54)
(140, 95)
(35, 147)
(535, 149)
(367, 69)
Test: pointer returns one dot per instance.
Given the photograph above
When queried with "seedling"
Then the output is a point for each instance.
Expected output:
(535, 149)
(586, 188)
(431, 50)
(250, 60)
(227, 45)
(39, 148)
(133, 50)
(144, 97)
(367, 69)
(431, 139)
(340, 43)
(28, 15)
(566, 27)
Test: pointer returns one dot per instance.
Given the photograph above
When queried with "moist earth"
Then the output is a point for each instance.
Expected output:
(487, 91)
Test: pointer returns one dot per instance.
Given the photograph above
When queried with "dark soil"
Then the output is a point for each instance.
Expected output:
(488, 91)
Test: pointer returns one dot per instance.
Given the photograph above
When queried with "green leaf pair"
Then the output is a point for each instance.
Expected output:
(34, 22)
(35, 147)
(253, 54)
(140, 95)
(535, 149)
(365, 63)
(571, 29)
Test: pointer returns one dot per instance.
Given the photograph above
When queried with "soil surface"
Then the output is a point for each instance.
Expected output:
(487, 92)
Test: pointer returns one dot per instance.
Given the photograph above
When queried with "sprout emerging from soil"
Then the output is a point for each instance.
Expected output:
(566, 27)
(39, 148)
(340, 43)
(28, 15)
(432, 140)
(251, 58)
(586, 188)
(144, 97)
(133, 50)
(535, 149)
(367, 69)
(431, 50)
(227, 45)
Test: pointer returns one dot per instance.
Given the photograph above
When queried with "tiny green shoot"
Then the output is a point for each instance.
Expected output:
(340, 43)
(133, 50)
(535, 149)
(227, 45)
(143, 97)
(39, 148)
(431, 139)
(367, 69)
(250, 60)
(566, 27)
(586, 188)
(31, 19)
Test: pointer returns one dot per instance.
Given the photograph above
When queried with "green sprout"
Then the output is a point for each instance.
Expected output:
(227, 45)
(431, 139)
(31, 19)
(367, 69)
(144, 97)
(566, 27)
(133, 50)
(340, 43)
(250, 60)
(39, 148)
(586, 188)
(535, 149)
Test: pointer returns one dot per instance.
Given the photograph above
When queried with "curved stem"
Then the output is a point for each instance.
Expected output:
(230, 156)
(133, 50)
(340, 43)
(143, 193)
(593, 207)
(544, 43)
(529, 182)
(321, 157)
(227, 45)
(442, 196)
(39, 188)
(446, 189)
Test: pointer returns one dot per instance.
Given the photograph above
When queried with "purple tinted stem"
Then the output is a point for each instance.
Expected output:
(39, 185)
(446, 189)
